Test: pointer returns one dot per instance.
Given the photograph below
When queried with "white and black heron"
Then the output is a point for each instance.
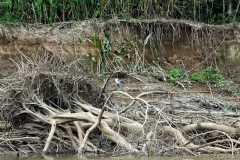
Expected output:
(118, 82)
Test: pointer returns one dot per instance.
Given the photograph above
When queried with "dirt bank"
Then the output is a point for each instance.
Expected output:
(172, 41)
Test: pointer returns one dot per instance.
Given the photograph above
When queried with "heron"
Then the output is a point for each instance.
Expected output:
(117, 82)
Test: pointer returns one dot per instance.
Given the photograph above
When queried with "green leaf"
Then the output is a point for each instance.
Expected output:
(120, 50)
(117, 58)
(38, 2)
(81, 59)
(146, 40)
(95, 42)
(89, 40)
(95, 14)
(90, 56)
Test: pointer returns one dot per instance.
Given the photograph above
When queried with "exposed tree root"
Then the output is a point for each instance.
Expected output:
(58, 111)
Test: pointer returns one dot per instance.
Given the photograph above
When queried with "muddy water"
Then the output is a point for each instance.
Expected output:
(75, 157)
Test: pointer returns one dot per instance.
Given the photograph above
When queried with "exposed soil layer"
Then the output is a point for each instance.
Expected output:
(171, 41)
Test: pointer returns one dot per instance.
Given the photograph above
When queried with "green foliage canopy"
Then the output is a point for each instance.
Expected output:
(50, 11)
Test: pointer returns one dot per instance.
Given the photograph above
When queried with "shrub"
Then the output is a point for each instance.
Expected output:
(212, 75)
(175, 73)
(208, 74)
(197, 76)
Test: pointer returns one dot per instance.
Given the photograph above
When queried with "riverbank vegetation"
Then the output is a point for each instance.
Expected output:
(49, 11)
